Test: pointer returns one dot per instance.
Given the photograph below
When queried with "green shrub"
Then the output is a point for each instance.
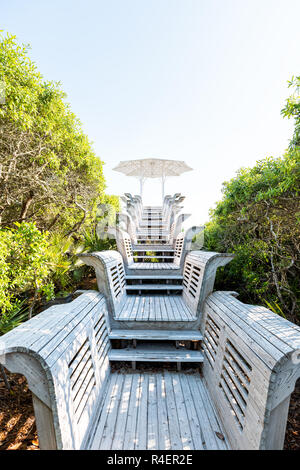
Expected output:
(29, 263)
(258, 219)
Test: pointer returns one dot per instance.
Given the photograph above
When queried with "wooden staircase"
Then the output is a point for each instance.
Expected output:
(153, 248)
(154, 345)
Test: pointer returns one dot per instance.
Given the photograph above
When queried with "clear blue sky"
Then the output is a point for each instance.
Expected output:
(196, 80)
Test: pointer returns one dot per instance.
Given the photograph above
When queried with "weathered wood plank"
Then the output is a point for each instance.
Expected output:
(134, 402)
(164, 442)
(172, 414)
(142, 421)
(119, 432)
(152, 436)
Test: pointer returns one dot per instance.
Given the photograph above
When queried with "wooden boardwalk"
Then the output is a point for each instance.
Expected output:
(157, 411)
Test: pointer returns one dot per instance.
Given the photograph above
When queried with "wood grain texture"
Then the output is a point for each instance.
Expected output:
(158, 411)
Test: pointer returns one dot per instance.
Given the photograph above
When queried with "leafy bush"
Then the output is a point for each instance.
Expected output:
(51, 188)
(13, 317)
(258, 219)
(49, 172)
(29, 264)
(93, 242)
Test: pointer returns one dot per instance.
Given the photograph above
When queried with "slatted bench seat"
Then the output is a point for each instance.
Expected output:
(167, 308)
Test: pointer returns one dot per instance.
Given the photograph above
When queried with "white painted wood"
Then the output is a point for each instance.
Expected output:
(249, 370)
(175, 437)
(118, 439)
(141, 430)
(111, 389)
(175, 335)
(112, 414)
(191, 412)
(44, 424)
(131, 423)
(248, 356)
(152, 287)
(161, 353)
(169, 307)
(163, 438)
(184, 426)
(69, 345)
(152, 431)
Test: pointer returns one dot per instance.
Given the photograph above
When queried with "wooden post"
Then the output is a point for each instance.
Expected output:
(44, 424)
(277, 425)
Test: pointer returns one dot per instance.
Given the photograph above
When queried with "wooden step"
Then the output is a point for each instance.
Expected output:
(152, 233)
(153, 287)
(155, 276)
(155, 353)
(176, 335)
(170, 257)
(153, 218)
(153, 223)
(155, 248)
(141, 238)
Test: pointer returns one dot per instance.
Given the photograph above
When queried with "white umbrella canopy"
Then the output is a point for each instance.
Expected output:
(152, 168)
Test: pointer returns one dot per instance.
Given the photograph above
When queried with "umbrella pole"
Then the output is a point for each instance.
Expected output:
(141, 186)
(163, 178)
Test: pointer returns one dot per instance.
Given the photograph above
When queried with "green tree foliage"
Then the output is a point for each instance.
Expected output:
(292, 109)
(51, 188)
(258, 220)
(49, 172)
(29, 262)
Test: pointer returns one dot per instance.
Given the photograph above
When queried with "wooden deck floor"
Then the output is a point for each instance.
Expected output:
(157, 411)
(155, 308)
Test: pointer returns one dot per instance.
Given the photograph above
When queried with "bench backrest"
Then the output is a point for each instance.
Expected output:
(182, 245)
(176, 226)
(126, 224)
(124, 245)
(250, 367)
(63, 354)
(199, 274)
(110, 274)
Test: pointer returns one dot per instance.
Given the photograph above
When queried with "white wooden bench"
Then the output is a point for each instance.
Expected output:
(251, 363)
(147, 310)
(181, 245)
(163, 216)
(63, 354)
